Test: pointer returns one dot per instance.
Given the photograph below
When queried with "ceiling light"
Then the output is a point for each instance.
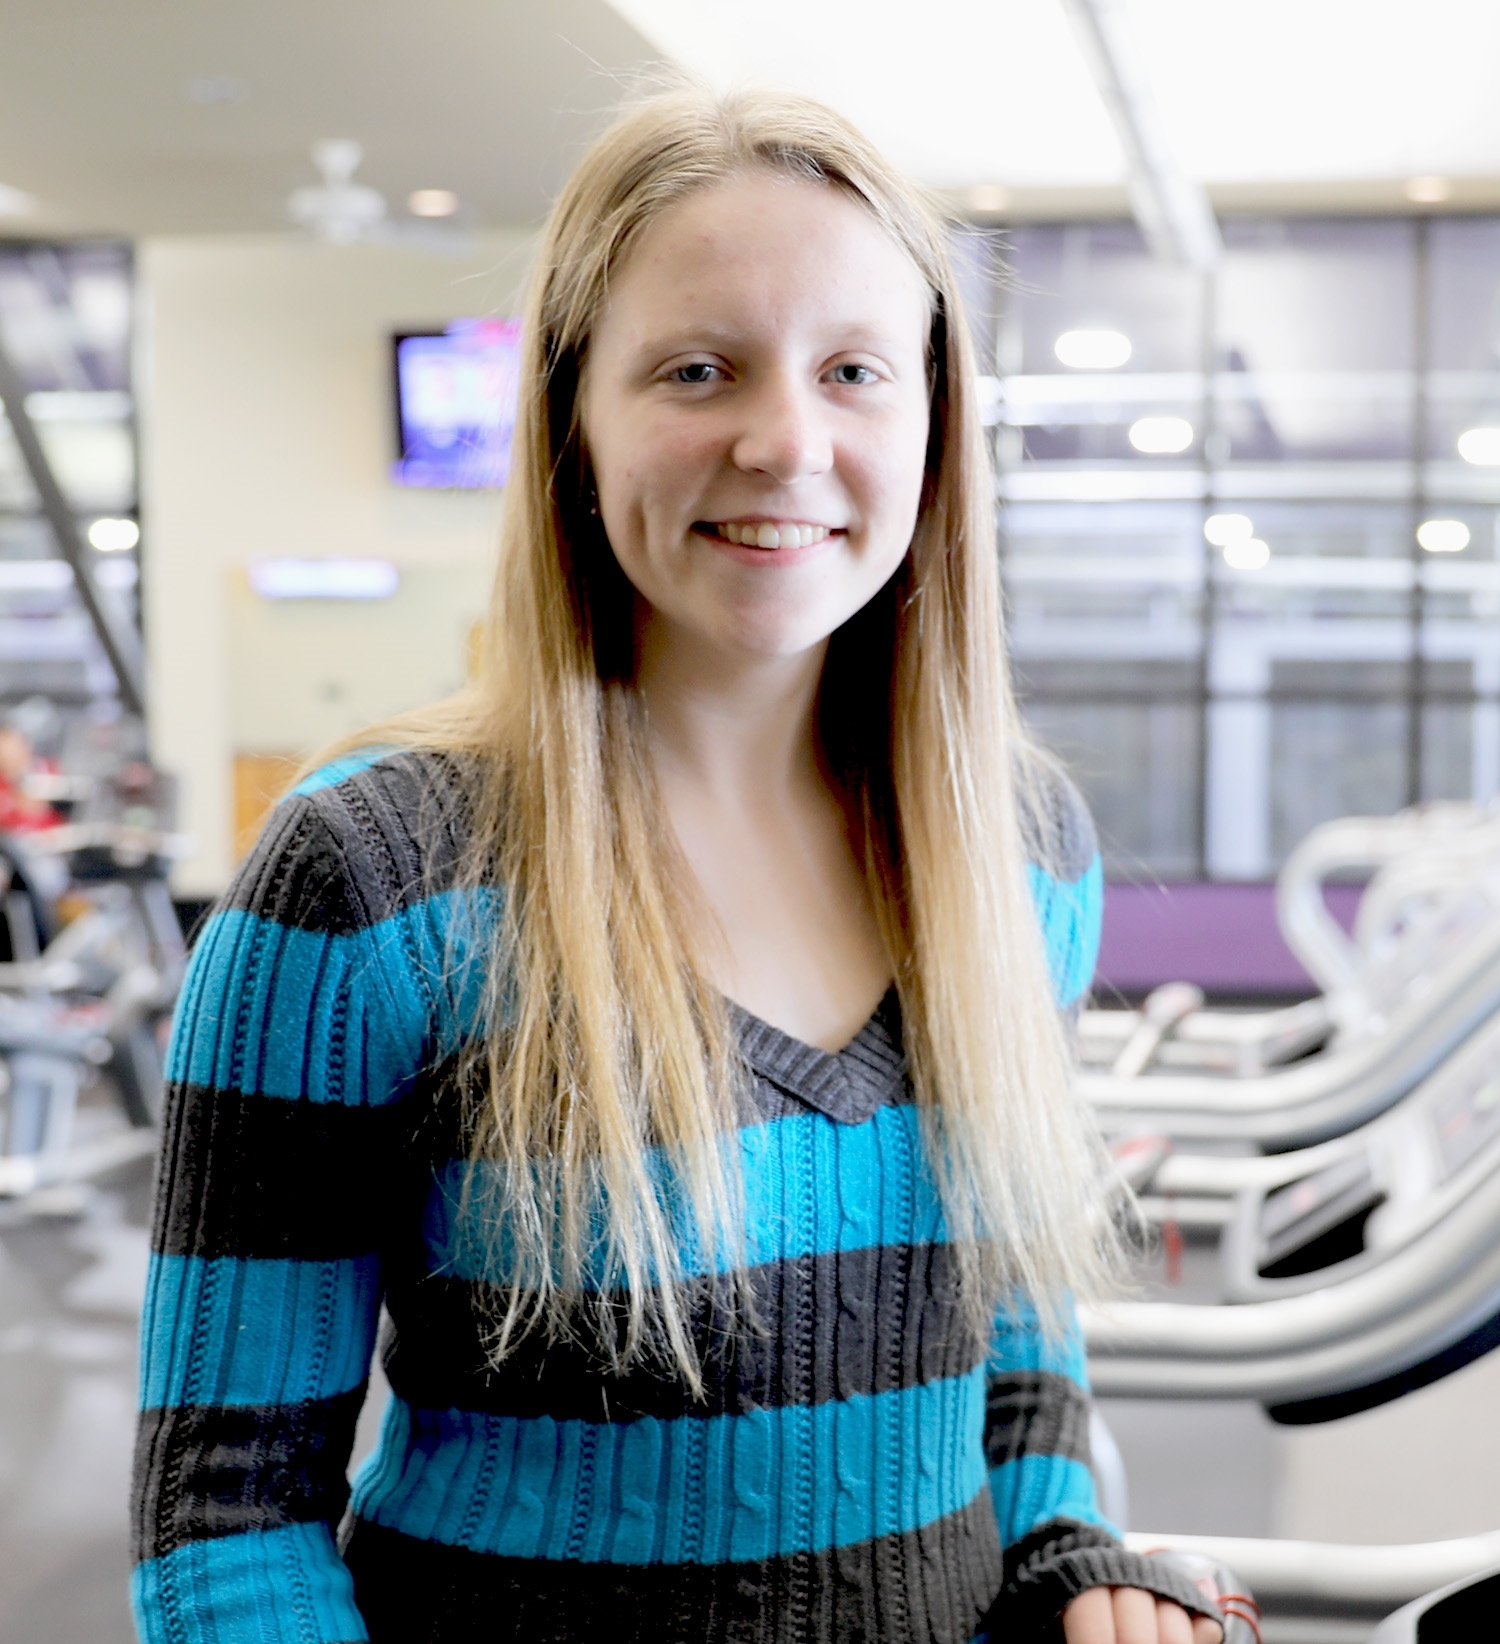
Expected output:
(114, 536)
(1481, 446)
(986, 197)
(1251, 554)
(1443, 536)
(1092, 350)
(1222, 529)
(324, 578)
(432, 202)
(14, 202)
(1428, 190)
(1161, 436)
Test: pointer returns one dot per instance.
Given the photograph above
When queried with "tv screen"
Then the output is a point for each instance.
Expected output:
(456, 403)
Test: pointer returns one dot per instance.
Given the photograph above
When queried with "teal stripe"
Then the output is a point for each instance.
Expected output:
(1018, 1344)
(223, 1330)
(1071, 917)
(1034, 1489)
(701, 1490)
(288, 1583)
(340, 770)
(267, 1009)
(810, 1187)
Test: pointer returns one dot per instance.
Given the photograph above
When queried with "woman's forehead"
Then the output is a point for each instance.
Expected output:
(762, 249)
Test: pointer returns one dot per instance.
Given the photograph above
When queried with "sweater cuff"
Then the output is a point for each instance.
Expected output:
(1048, 1569)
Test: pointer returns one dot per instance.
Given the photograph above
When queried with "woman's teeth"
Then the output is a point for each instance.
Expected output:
(767, 535)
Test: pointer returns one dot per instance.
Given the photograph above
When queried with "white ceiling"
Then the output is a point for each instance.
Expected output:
(1318, 101)
(995, 91)
(491, 98)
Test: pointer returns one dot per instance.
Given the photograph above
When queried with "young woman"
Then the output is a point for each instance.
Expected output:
(665, 1031)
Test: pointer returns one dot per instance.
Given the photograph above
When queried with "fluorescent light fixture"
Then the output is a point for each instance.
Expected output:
(114, 536)
(1428, 190)
(1092, 350)
(1161, 436)
(432, 202)
(1481, 446)
(1248, 554)
(15, 202)
(35, 575)
(987, 197)
(324, 578)
(1443, 536)
(1222, 529)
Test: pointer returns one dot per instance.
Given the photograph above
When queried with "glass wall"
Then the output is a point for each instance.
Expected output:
(66, 322)
(1250, 524)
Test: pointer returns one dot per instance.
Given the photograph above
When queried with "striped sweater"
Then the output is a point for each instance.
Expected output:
(858, 1469)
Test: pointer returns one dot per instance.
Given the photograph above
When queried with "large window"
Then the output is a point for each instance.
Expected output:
(1250, 524)
(65, 321)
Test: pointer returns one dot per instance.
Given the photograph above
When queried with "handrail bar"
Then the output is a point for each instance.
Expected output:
(1285, 1574)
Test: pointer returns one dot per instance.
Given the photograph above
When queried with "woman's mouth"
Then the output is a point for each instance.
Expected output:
(769, 534)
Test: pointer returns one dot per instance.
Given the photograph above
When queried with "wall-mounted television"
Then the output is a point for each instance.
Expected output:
(456, 404)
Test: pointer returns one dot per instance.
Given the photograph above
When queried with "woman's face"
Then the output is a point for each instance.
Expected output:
(755, 407)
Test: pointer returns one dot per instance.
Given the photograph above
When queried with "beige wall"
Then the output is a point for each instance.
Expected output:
(267, 431)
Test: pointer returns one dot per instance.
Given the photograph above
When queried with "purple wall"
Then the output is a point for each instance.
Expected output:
(1221, 936)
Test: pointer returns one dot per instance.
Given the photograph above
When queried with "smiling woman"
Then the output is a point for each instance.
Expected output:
(667, 1028)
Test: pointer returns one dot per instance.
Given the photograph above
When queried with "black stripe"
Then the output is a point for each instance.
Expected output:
(350, 855)
(843, 1324)
(1050, 1566)
(1036, 1413)
(202, 1472)
(264, 1176)
(931, 1586)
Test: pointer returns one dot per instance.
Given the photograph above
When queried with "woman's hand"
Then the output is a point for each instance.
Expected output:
(1128, 1615)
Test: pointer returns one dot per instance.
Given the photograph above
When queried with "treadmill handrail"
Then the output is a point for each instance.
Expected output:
(1283, 1574)
(1347, 1334)
(1324, 1097)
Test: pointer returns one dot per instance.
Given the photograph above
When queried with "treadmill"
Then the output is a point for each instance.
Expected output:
(1369, 1268)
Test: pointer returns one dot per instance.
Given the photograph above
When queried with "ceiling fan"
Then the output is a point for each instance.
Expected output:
(340, 211)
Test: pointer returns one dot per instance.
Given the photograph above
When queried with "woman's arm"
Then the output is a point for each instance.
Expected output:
(1058, 1545)
(301, 1025)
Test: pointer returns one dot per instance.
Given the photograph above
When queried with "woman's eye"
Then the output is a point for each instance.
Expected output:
(695, 371)
(850, 375)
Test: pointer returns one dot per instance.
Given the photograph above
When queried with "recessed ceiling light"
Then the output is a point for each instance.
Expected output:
(1092, 350)
(987, 197)
(1481, 446)
(114, 536)
(14, 202)
(1443, 536)
(432, 202)
(1222, 529)
(1161, 436)
(1428, 190)
(1250, 555)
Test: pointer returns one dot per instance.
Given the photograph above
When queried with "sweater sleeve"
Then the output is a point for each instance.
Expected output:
(301, 1027)
(1057, 1543)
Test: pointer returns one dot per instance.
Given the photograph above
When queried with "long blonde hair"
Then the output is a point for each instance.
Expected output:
(606, 1058)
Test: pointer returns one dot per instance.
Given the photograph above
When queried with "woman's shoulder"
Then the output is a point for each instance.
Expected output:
(358, 840)
(1056, 827)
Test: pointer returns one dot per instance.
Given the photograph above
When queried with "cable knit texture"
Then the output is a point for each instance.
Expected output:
(853, 1470)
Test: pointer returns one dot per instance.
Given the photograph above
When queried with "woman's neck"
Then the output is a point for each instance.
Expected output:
(784, 916)
(739, 729)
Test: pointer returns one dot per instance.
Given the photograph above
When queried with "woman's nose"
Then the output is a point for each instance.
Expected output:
(784, 434)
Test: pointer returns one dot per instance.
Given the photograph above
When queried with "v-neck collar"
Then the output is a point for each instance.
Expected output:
(848, 1085)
